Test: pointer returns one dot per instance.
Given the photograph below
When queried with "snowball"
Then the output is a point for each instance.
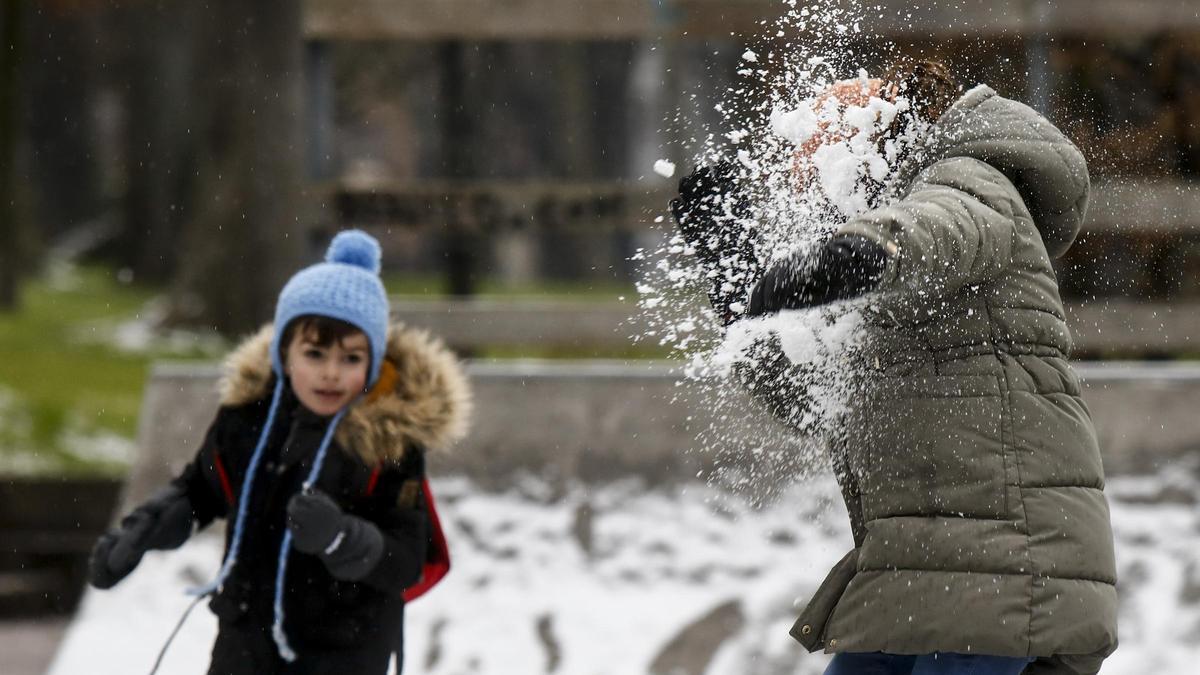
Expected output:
(664, 168)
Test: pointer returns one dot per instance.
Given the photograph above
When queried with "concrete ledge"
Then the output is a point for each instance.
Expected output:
(563, 420)
(597, 421)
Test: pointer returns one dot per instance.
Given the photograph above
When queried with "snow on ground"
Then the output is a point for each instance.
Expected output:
(604, 580)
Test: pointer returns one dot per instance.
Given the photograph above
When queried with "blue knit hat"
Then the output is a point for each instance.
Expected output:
(346, 287)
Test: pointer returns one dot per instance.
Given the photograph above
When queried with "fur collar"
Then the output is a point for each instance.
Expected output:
(422, 398)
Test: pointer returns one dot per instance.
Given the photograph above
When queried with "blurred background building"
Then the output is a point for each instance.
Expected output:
(516, 146)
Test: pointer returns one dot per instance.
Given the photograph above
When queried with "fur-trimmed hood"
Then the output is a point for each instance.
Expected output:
(421, 399)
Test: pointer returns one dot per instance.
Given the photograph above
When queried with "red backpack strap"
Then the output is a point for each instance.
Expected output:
(437, 556)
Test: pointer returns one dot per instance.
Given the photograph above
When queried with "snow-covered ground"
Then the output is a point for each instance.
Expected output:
(617, 579)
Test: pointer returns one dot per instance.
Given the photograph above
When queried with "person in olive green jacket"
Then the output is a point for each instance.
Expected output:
(968, 459)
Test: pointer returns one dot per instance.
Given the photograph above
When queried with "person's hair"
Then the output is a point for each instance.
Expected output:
(928, 84)
(322, 331)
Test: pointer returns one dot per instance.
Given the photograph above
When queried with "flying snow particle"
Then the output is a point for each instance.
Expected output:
(737, 135)
(664, 168)
(750, 56)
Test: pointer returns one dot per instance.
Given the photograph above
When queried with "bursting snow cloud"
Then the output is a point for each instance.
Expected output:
(808, 156)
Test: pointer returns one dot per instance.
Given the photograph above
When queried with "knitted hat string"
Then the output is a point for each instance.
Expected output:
(285, 650)
(244, 499)
(277, 632)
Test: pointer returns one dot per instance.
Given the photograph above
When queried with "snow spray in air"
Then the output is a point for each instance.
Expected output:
(804, 130)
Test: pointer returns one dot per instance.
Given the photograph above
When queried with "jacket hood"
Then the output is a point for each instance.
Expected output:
(421, 399)
(1045, 167)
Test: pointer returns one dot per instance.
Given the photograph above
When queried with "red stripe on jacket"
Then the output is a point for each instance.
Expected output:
(222, 474)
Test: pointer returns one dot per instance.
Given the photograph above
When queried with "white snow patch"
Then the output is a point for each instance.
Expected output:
(121, 631)
(655, 563)
(145, 333)
(98, 445)
(664, 168)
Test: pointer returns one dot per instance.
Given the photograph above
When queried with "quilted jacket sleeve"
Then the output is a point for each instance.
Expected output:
(954, 228)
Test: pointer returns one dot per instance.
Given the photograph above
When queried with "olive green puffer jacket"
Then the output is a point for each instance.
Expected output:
(970, 463)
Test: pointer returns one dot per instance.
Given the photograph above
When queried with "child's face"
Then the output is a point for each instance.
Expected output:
(327, 378)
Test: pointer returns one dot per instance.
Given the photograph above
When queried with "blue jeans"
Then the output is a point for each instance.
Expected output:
(948, 663)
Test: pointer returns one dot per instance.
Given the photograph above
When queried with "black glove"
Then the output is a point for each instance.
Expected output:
(349, 546)
(163, 522)
(713, 218)
(846, 266)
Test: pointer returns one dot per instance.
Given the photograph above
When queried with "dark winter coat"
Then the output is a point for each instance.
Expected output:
(969, 462)
(374, 471)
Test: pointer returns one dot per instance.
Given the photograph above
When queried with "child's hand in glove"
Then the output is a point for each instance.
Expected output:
(844, 267)
(163, 522)
(349, 546)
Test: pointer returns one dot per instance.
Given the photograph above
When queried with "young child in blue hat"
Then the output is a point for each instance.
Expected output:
(316, 461)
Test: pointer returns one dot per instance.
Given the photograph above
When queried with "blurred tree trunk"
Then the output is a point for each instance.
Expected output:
(12, 224)
(460, 244)
(160, 143)
(244, 236)
(567, 253)
(62, 72)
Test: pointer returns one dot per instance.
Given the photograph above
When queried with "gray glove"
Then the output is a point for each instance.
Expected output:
(349, 546)
(163, 522)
